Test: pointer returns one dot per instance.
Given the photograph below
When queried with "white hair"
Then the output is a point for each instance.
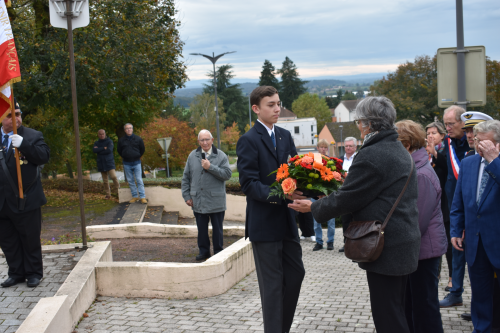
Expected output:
(350, 138)
(128, 124)
(458, 112)
(489, 126)
(205, 131)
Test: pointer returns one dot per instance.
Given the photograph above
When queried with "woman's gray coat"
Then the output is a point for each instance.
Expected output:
(207, 188)
(375, 180)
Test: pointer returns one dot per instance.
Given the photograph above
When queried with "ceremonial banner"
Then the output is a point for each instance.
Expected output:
(9, 64)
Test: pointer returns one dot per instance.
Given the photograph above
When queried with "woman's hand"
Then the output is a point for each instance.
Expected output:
(431, 146)
(301, 206)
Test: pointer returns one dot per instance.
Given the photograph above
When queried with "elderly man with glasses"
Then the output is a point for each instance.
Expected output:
(204, 189)
(474, 217)
(455, 150)
(21, 219)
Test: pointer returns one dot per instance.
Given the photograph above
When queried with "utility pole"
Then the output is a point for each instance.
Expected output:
(462, 101)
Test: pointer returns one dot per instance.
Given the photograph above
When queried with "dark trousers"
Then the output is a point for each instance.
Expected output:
(482, 280)
(449, 251)
(280, 272)
(20, 242)
(496, 307)
(217, 235)
(422, 301)
(306, 224)
(387, 298)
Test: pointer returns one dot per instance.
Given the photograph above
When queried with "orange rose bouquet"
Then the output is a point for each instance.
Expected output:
(312, 174)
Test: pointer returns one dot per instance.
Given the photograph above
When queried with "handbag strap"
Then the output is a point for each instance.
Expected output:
(399, 198)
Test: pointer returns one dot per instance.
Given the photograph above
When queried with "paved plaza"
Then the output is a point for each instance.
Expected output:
(334, 298)
(16, 302)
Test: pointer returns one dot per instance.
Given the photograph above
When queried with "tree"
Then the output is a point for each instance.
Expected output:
(203, 113)
(267, 76)
(247, 126)
(413, 90)
(236, 104)
(178, 111)
(291, 87)
(349, 96)
(332, 102)
(128, 62)
(360, 93)
(184, 140)
(230, 136)
(310, 105)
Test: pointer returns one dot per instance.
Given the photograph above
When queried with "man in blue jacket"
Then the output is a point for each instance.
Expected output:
(106, 161)
(270, 225)
(475, 210)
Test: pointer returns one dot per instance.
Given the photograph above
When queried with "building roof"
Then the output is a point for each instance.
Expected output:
(351, 105)
(285, 113)
(296, 120)
(348, 129)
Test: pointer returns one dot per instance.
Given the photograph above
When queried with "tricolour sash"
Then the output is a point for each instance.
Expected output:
(455, 162)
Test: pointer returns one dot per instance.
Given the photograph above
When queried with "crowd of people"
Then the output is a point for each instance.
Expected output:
(441, 185)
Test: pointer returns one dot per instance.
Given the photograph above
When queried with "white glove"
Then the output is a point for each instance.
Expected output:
(16, 140)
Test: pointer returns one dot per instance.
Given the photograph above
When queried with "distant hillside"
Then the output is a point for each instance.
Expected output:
(321, 87)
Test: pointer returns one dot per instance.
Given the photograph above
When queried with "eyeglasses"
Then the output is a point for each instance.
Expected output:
(449, 125)
(349, 146)
(205, 140)
(357, 121)
(18, 114)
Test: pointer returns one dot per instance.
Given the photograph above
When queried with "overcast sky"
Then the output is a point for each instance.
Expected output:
(329, 37)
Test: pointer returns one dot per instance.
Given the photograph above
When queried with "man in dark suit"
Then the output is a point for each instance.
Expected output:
(270, 225)
(20, 226)
(455, 149)
(475, 210)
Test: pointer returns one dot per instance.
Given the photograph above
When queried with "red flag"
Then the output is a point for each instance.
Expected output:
(10, 71)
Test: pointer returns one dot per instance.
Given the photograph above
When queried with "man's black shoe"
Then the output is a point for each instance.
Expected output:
(466, 316)
(341, 249)
(33, 282)
(201, 257)
(329, 246)
(11, 282)
(317, 247)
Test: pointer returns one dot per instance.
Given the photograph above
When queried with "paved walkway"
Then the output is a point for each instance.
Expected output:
(16, 302)
(334, 297)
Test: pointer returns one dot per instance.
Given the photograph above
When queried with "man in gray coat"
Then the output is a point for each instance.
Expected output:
(204, 189)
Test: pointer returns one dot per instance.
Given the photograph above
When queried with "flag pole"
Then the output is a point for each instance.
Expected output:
(16, 151)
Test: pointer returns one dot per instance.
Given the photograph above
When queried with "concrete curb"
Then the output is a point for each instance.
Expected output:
(153, 230)
(63, 311)
(176, 280)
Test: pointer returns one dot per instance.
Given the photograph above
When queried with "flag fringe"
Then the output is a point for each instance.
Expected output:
(8, 3)
(10, 82)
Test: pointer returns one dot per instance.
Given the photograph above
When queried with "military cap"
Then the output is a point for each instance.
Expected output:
(472, 118)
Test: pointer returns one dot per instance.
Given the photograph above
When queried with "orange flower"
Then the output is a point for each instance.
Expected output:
(326, 174)
(297, 162)
(337, 176)
(282, 172)
(289, 185)
(318, 166)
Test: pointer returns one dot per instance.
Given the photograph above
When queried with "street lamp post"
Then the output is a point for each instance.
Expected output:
(214, 59)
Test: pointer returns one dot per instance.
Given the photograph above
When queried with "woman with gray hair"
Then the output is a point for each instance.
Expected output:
(376, 178)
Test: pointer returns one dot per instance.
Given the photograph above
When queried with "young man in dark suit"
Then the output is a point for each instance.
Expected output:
(20, 226)
(270, 224)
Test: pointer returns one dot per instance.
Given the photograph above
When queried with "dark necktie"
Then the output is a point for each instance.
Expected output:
(484, 180)
(274, 141)
(5, 141)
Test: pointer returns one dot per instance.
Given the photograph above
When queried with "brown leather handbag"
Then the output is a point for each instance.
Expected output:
(365, 239)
